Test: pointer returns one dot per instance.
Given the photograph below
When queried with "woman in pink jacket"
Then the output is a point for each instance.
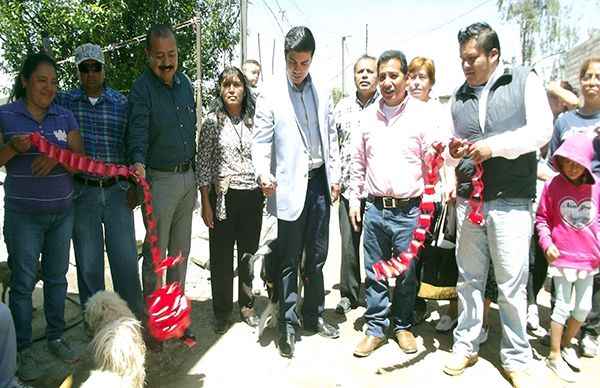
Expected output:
(567, 223)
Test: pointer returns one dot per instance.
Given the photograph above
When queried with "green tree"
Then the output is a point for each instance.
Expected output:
(545, 27)
(119, 26)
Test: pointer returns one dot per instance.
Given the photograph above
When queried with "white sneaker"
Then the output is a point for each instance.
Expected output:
(571, 358)
(445, 324)
(533, 318)
(483, 335)
(589, 345)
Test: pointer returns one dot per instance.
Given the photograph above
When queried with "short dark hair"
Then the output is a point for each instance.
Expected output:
(299, 39)
(393, 54)
(483, 33)
(161, 31)
(30, 64)
(364, 56)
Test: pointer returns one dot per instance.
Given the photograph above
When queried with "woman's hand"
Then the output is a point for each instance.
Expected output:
(207, 215)
(20, 143)
(42, 165)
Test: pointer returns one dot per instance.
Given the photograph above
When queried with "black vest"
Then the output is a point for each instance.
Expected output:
(508, 178)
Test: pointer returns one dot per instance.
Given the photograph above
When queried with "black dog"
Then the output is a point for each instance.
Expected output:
(269, 273)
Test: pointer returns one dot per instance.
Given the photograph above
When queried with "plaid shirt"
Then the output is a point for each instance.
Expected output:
(347, 121)
(102, 125)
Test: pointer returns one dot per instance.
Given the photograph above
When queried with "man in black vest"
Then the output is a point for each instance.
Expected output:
(500, 118)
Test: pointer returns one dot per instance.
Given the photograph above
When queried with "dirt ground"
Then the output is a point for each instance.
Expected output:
(239, 357)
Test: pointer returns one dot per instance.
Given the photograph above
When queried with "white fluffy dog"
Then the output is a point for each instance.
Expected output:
(118, 348)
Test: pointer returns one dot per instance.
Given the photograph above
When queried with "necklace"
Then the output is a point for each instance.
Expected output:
(238, 127)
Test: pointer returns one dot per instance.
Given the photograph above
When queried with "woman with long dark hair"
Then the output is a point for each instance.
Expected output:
(38, 218)
(231, 199)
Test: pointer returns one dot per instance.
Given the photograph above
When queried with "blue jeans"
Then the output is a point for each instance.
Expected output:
(504, 239)
(102, 217)
(8, 347)
(388, 232)
(27, 236)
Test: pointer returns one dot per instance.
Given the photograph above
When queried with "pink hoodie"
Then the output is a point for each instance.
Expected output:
(567, 215)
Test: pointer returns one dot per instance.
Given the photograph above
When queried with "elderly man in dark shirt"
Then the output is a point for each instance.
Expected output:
(161, 142)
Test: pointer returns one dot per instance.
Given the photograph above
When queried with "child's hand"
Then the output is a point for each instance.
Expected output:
(552, 253)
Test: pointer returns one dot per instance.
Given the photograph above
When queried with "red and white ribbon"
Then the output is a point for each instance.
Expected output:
(168, 307)
(397, 265)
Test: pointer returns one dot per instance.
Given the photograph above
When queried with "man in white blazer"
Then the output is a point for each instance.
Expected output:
(296, 157)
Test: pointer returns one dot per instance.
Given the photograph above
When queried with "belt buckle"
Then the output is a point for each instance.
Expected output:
(389, 202)
(101, 183)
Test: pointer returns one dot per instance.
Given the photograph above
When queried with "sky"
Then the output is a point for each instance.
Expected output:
(425, 28)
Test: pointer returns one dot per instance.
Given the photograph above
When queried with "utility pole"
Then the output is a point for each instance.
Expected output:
(344, 64)
(366, 38)
(244, 29)
(260, 57)
(273, 59)
(198, 76)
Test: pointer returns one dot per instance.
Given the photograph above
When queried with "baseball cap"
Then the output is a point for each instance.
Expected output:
(88, 51)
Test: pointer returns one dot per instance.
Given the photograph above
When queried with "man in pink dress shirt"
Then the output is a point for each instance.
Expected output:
(387, 165)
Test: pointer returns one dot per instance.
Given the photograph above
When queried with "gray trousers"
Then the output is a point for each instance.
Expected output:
(173, 197)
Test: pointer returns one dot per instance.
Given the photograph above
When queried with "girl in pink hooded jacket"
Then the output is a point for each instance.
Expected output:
(567, 223)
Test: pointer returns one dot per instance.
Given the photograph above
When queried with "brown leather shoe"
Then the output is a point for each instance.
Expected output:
(458, 362)
(368, 345)
(519, 379)
(406, 341)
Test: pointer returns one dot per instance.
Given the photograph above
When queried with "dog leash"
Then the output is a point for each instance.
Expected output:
(396, 266)
(168, 307)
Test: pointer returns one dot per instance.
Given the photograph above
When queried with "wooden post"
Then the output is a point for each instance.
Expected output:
(198, 75)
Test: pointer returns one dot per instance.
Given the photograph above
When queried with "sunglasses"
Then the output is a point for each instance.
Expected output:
(86, 68)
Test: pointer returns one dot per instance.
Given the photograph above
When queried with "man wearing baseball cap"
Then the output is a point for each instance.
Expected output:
(102, 217)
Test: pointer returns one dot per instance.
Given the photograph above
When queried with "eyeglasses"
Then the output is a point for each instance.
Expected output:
(85, 68)
(589, 78)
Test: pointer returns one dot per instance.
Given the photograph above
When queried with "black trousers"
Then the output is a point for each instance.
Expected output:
(309, 234)
(242, 226)
(350, 264)
(538, 269)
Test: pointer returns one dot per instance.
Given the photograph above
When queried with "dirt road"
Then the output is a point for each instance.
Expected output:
(239, 358)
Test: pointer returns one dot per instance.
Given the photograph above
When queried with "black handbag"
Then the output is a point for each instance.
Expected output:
(439, 272)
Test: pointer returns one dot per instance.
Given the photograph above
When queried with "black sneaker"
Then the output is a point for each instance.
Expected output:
(63, 350)
(27, 369)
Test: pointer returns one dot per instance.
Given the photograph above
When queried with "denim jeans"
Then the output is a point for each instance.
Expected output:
(27, 236)
(102, 217)
(8, 347)
(563, 291)
(388, 232)
(505, 240)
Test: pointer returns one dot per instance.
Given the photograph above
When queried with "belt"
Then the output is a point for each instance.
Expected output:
(102, 183)
(314, 172)
(183, 167)
(392, 203)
